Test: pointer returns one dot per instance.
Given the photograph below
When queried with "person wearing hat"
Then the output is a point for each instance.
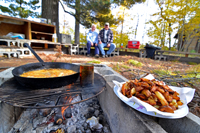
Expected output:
(105, 39)
(92, 41)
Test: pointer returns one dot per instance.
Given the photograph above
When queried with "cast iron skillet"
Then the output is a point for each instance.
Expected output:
(37, 83)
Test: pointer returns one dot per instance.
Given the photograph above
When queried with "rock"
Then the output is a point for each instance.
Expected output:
(101, 111)
(79, 131)
(105, 129)
(45, 112)
(76, 111)
(71, 129)
(98, 131)
(102, 120)
(95, 100)
(98, 127)
(91, 110)
(88, 131)
(91, 104)
(39, 129)
(82, 128)
(94, 123)
(74, 120)
(96, 107)
(85, 126)
(88, 115)
(96, 113)
(68, 115)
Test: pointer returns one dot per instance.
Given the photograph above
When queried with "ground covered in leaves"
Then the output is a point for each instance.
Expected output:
(131, 67)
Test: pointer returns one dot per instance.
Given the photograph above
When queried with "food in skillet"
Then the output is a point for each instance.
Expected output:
(153, 92)
(48, 73)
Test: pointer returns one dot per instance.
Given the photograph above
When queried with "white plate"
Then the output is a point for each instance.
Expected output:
(137, 104)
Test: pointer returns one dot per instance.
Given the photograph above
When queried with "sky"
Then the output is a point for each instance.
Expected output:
(143, 10)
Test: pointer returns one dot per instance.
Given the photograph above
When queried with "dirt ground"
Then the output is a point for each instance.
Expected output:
(118, 63)
(149, 64)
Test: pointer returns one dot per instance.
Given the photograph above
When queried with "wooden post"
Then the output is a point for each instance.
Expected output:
(29, 31)
(46, 46)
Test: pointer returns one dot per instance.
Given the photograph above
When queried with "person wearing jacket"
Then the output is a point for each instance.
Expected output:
(92, 40)
(105, 39)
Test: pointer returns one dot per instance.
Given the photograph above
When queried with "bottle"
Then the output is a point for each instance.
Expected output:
(54, 38)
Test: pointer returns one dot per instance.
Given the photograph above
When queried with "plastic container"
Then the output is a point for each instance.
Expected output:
(54, 38)
(122, 45)
(49, 21)
(133, 44)
(43, 20)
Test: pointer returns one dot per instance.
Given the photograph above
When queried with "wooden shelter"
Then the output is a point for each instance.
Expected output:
(32, 30)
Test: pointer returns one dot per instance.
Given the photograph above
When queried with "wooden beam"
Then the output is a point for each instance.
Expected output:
(29, 31)
(46, 46)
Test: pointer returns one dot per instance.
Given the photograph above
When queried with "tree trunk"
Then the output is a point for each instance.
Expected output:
(137, 25)
(20, 12)
(178, 44)
(186, 50)
(144, 31)
(186, 39)
(181, 43)
(122, 27)
(50, 10)
(77, 36)
(163, 36)
(77, 26)
(169, 36)
(198, 46)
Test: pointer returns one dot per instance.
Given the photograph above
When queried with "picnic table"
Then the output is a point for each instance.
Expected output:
(176, 52)
(159, 54)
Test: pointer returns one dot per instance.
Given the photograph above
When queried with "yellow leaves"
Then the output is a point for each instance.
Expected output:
(155, 14)
(174, 12)
(121, 8)
(122, 13)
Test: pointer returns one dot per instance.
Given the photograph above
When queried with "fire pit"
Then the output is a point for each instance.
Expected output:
(55, 105)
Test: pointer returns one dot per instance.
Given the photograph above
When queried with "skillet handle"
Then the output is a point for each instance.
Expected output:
(38, 58)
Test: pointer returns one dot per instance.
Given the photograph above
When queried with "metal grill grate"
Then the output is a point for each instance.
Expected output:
(14, 94)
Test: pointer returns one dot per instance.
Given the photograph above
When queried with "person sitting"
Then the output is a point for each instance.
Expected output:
(92, 40)
(105, 39)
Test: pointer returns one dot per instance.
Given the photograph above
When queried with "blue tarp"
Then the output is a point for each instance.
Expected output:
(17, 36)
